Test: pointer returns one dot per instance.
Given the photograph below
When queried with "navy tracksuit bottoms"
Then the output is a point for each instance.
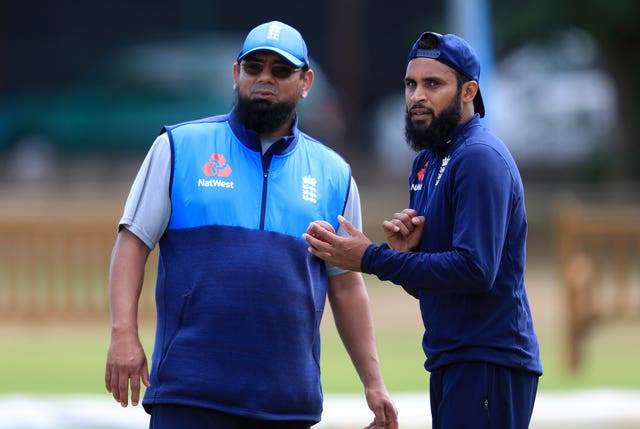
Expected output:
(477, 395)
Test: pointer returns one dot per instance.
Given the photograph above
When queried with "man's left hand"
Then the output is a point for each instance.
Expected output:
(386, 414)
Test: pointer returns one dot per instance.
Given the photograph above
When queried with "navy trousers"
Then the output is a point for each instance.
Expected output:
(477, 395)
(180, 416)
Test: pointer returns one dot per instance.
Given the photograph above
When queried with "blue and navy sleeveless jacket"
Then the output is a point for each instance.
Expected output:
(239, 298)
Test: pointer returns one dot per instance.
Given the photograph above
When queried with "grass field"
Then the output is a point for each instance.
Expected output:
(68, 357)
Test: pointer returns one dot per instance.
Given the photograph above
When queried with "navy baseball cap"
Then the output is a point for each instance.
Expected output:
(456, 53)
(279, 38)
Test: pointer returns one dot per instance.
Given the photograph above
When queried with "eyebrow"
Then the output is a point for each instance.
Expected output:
(424, 79)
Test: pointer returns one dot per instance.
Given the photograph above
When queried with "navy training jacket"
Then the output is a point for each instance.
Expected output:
(469, 271)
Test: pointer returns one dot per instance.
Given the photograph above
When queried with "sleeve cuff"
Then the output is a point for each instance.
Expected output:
(367, 264)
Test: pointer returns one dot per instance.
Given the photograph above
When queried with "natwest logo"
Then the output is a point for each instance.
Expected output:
(217, 166)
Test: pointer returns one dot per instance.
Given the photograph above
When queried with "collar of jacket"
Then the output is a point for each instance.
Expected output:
(457, 136)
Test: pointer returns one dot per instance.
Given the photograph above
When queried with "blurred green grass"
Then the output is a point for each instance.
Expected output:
(69, 356)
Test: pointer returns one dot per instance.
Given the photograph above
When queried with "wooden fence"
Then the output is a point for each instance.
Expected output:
(599, 262)
(58, 266)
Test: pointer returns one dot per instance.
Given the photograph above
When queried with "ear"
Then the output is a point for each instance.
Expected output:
(307, 82)
(236, 73)
(469, 91)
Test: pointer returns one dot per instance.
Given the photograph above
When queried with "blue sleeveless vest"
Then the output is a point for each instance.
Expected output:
(239, 298)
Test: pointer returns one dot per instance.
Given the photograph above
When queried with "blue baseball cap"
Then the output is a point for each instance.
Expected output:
(279, 38)
(456, 53)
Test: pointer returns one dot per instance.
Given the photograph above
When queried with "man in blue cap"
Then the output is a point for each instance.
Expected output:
(459, 247)
(239, 299)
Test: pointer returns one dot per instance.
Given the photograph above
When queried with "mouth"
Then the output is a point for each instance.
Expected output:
(420, 114)
(263, 93)
(420, 109)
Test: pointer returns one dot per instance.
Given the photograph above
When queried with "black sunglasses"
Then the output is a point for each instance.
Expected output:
(278, 70)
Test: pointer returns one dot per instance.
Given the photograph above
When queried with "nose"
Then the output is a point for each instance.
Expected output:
(418, 94)
(265, 75)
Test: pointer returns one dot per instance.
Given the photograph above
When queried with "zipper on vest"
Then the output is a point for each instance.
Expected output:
(266, 158)
(266, 161)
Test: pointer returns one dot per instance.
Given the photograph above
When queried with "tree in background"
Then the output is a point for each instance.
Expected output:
(615, 27)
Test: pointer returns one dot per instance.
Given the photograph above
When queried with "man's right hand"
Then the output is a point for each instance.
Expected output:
(404, 231)
(126, 366)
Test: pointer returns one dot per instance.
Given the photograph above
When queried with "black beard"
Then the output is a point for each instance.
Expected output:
(436, 135)
(263, 117)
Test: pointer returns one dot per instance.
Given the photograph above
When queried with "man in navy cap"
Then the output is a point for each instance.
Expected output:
(459, 247)
(239, 299)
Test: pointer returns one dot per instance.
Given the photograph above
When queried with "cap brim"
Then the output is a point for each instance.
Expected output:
(287, 56)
